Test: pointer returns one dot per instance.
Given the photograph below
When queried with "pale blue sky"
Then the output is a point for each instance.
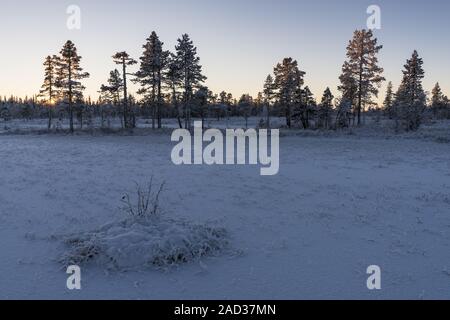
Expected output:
(239, 41)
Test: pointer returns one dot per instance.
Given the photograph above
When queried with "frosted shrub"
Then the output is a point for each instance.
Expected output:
(135, 244)
(145, 239)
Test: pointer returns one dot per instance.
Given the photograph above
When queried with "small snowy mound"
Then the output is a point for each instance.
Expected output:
(136, 243)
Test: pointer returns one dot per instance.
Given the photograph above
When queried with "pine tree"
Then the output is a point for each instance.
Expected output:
(436, 95)
(124, 59)
(389, 100)
(212, 97)
(259, 107)
(49, 91)
(230, 102)
(111, 92)
(308, 104)
(269, 92)
(70, 73)
(245, 105)
(173, 80)
(325, 109)
(410, 102)
(344, 111)
(192, 77)
(304, 103)
(201, 102)
(348, 88)
(438, 100)
(361, 71)
(288, 80)
(154, 60)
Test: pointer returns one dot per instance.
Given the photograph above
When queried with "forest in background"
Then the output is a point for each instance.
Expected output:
(172, 86)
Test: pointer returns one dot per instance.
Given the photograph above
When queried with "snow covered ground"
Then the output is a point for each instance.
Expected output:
(338, 205)
(21, 126)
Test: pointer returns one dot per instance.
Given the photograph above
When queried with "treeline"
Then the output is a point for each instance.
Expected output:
(171, 85)
(360, 81)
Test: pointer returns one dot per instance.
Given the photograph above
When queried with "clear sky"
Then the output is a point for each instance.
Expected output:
(239, 41)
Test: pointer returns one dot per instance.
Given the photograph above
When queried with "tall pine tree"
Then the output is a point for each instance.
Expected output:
(153, 62)
(70, 73)
(49, 89)
(410, 102)
(111, 92)
(288, 80)
(361, 71)
(307, 106)
(124, 60)
(349, 90)
(268, 92)
(389, 100)
(191, 70)
(324, 110)
(173, 81)
(438, 101)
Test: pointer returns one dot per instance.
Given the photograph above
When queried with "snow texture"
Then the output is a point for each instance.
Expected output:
(341, 203)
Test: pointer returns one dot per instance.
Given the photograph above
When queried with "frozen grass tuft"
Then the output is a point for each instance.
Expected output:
(145, 239)
(133, 244)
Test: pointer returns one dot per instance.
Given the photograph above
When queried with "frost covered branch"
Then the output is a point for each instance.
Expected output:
(147, 205)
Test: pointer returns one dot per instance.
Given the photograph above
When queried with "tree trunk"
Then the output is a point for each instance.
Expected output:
(158, 113)
(49, 117)
(288, 116)
(361, 69)
(177, 107)
(70, 97)
(125, 95)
